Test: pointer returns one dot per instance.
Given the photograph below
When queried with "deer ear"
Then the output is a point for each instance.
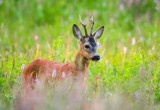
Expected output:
(77, 32)
(98, 33)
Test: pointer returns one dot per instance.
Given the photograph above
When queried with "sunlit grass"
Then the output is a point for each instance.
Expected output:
(127, 74)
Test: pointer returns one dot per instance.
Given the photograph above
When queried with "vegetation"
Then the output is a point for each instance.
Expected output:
(129, 69)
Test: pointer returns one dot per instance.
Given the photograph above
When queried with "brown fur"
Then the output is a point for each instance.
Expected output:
(42, 70)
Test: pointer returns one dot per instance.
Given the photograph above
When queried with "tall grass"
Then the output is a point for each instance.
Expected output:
(128, 72)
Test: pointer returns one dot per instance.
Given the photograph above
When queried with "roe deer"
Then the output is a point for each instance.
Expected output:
(45, 69)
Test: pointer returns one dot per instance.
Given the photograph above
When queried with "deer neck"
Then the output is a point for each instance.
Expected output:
(80, 63)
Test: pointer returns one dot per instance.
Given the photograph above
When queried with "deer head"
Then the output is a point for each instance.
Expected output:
(87, 43)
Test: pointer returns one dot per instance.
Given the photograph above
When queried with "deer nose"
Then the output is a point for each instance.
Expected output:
(96, 58)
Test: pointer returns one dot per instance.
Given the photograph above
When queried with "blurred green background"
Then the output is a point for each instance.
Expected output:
(129, 47)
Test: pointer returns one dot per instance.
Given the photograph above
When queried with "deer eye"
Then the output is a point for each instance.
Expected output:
(87, 46)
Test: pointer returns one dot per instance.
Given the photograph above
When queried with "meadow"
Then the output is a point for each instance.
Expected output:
(129, 69)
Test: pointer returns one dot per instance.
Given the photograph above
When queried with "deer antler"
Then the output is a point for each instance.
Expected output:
(84, 25)
(92, 25)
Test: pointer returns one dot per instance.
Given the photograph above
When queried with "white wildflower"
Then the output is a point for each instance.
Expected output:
(155, 34)
(141, 39)
(85, 78)
(107, 62)
(125, 50)
(153, 47)
(121, 6)
(111, 20)
(128, 34)
(54, 73)
(36, 37)
(99, 44)
(63, 74)
(22, 66)
(133, 41)
(136, 95)
(37, 81)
